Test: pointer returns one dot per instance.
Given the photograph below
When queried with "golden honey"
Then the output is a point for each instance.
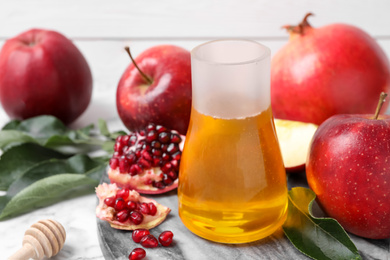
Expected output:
(232, 183)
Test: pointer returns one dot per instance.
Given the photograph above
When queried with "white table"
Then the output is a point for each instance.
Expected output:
(101, 29)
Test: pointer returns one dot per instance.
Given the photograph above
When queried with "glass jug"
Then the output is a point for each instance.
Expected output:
(232, 183)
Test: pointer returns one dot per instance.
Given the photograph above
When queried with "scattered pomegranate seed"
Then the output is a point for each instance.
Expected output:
(165, 238)
(110, 201)
(137, 254)
(149, 241)
(136, 217)
(122, 215)
(138, 234)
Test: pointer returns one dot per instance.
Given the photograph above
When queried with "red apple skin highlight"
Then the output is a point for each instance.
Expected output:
(167, 100)
(348, 168)
(334, 69)
(43, 73)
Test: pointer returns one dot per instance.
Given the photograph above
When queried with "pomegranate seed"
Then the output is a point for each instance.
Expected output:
(125, 140)
(166, 168)
(110, 201)
(138, 234)
(144, 207)
(146, 155)
(118, 147)
(152, 209)
(118, 139)
(136, 217)
(131, 157)
(159, 185)
(150, 127)
(156, 162)
(172, 175)
(175, 138)
(164, 137)
(156, 152)
(161, 129)
(142, 132)
(151, 136)
(135, 169)
(119, 204)
(122, 215)
(114, 163)
(167, 181)
(123, 193)
(175, 164)
(165, 238)
(137, 254)
(124, 165)
(147, 147)
(131, 205)
(117, 154)
(166, 157)
(173, 148)
(156, 144)
(164, 147)
(176, 156)
(133, 139)
(149, 241)
(144, 163)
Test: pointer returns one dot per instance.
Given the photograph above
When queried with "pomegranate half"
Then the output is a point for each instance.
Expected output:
(320, 72)
(127, 209)
(147, 161)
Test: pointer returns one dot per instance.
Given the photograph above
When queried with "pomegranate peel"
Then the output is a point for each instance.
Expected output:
(109, 214)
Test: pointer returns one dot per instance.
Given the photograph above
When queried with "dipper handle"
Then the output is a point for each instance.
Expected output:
(44, 238)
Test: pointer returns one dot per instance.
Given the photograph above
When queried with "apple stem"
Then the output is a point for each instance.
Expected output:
(382, 97)
(144, 76)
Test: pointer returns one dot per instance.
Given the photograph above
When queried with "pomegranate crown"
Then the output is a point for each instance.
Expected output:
(300, 28)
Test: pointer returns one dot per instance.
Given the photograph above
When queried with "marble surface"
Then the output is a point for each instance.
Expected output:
(117, 244)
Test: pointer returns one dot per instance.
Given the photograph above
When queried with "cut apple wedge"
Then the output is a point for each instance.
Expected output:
(294, 140)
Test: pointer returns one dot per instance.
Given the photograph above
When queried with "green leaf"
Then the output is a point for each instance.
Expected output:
(10, 138)
(18, 159)
(40, 127)
(318, 238)
(46, 192)
(103, 127)
(77, 165)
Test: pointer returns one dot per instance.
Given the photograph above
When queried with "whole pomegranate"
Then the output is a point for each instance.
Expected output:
(320, 72)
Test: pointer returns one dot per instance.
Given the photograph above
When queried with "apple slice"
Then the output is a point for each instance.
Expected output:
(294, 140)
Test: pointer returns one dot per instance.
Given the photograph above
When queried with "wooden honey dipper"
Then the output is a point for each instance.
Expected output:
(44, 238)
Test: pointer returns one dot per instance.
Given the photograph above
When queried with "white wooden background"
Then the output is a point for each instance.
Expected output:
(102, 28)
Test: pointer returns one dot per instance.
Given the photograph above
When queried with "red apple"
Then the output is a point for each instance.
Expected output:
(333, 69)
(43, 73)
(158, 91)
(294, 140)
(349, 170)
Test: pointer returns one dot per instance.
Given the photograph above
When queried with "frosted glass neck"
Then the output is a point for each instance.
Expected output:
(231, 78)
